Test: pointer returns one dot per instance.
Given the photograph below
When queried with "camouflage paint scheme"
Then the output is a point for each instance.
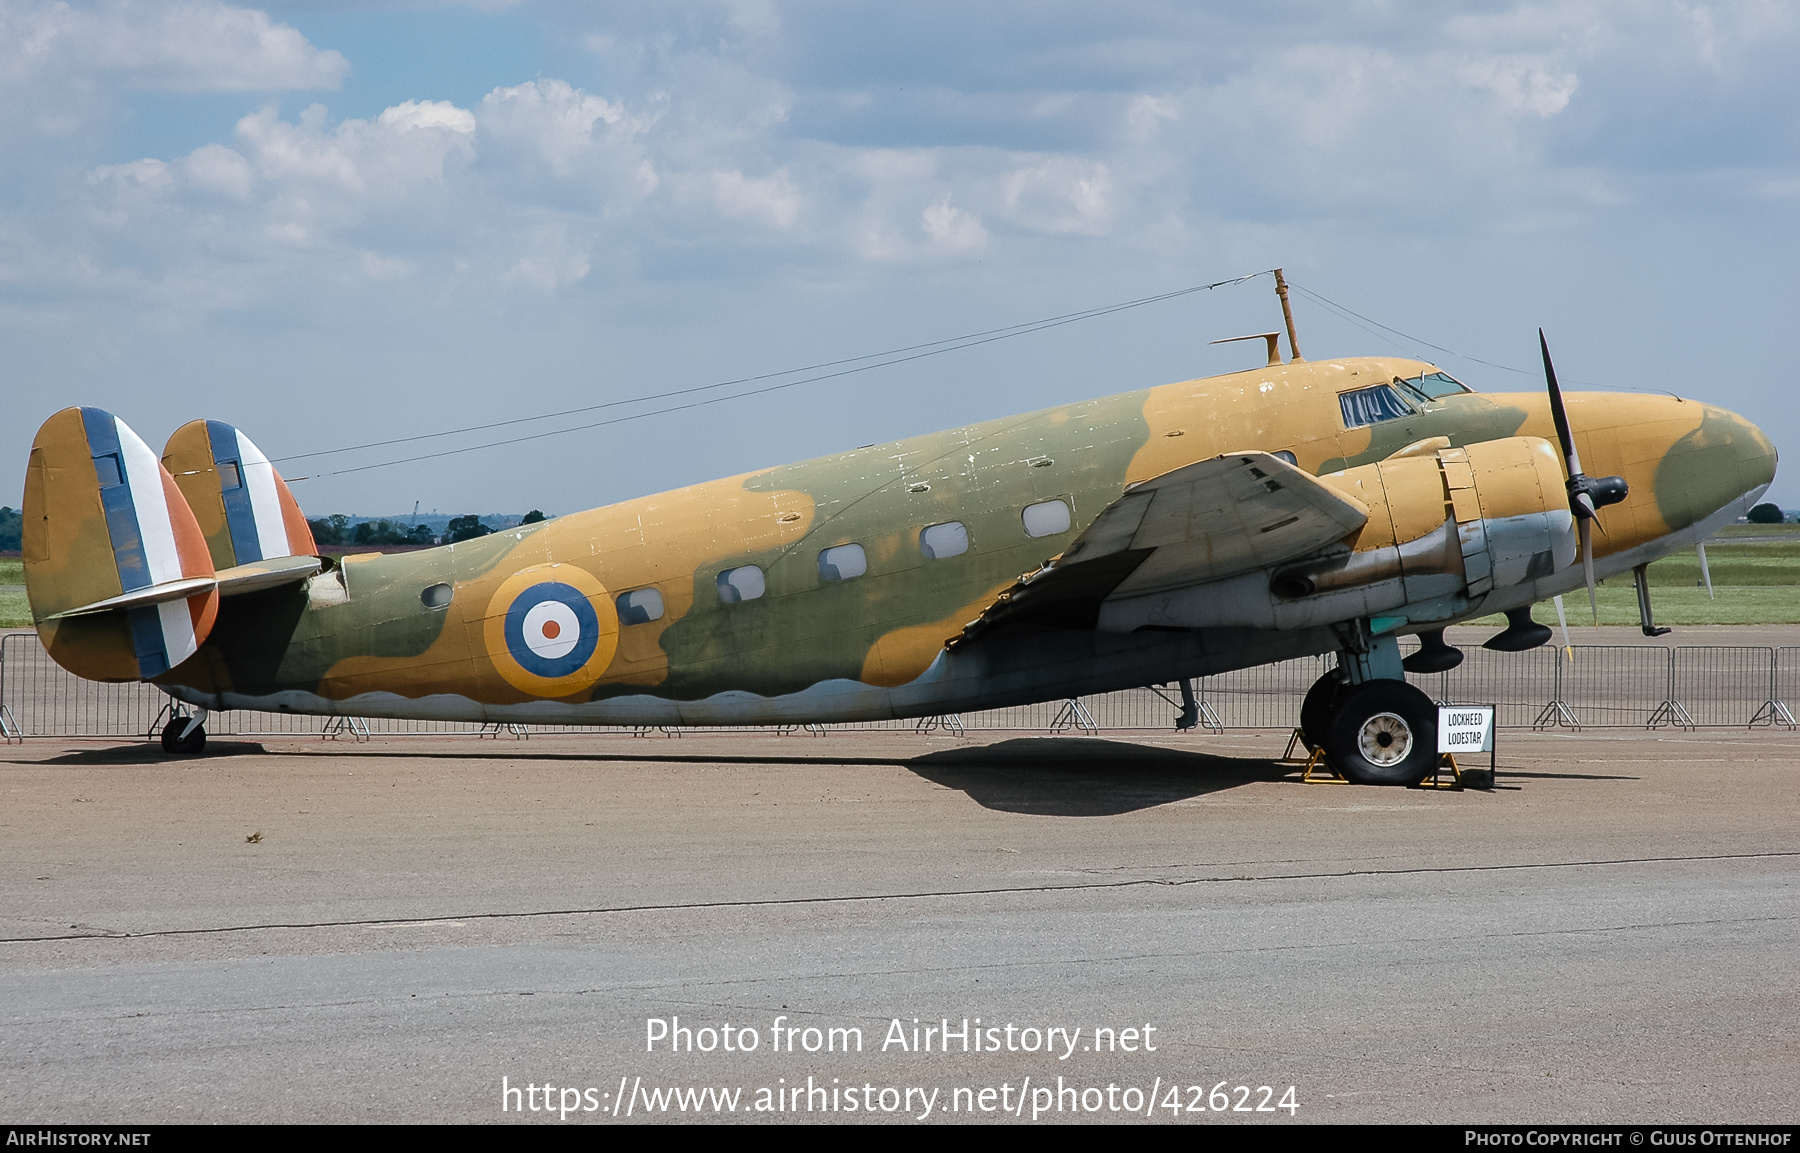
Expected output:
(360, 639)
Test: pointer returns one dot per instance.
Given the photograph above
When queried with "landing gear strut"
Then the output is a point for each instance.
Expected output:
(1374, 728)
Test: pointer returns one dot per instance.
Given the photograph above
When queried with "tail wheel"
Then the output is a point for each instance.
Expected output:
(1382, 733)
(192, 744)
(1315, 710)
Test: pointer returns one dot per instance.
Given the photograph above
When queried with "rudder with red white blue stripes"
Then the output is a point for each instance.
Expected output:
(245, 510)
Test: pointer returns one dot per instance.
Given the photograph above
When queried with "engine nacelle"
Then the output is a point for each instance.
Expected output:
(1503, 520)
(1443, 530)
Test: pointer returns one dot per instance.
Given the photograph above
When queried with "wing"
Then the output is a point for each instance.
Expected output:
(1203, 522)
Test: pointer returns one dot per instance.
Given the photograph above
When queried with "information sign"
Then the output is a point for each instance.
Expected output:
(1465, 728)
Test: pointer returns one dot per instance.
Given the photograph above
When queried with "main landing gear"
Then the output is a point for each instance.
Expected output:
(1374, 728)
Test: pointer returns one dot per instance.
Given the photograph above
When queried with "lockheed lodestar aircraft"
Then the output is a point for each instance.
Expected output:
(1298, 508)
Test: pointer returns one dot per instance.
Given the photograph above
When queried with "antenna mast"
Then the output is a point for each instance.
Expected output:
(1287, 314)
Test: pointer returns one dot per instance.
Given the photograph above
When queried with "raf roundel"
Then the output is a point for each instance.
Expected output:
(551, 630)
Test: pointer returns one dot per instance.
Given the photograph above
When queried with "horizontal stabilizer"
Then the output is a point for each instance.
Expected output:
(143, 598)
(266, 574)
(248, 578)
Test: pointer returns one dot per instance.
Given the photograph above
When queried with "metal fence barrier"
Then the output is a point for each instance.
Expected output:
(1594, 686)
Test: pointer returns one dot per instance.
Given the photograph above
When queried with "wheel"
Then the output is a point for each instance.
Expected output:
(1383, 733)
(1315, 710)
(191, 745)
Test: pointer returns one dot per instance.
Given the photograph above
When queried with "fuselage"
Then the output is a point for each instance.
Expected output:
(740, 601)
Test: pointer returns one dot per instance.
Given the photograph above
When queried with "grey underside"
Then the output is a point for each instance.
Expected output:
(1011, 670)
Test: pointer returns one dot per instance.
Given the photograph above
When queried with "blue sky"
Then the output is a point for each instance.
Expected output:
(337, 223)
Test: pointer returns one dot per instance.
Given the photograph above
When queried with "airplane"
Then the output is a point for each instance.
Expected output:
(1297, 508)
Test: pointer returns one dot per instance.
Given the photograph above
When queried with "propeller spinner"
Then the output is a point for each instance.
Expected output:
(1587, 494)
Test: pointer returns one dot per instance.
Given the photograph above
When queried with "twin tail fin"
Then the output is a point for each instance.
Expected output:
(243, 506)
(126, 556)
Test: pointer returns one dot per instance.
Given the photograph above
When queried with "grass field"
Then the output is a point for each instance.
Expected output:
(14, 613)
(1755, 572)
(1755, 575)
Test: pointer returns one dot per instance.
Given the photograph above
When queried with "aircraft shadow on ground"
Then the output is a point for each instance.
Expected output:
(147, 753)
(1086, 776)
(1045, 776)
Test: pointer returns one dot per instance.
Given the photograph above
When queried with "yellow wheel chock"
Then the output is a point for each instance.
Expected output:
(1434, 781)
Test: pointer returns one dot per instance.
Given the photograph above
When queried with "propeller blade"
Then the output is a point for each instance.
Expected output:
(1562, 619)
(1563, 435)
(1705, 573)
(1587, 564)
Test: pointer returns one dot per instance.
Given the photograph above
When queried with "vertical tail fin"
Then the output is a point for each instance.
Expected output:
(116, 569)
(243, 506)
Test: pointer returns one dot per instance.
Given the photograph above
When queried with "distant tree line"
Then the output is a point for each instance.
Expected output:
(469, 527)
(12, 525)
(335, 530)
(1765, 514)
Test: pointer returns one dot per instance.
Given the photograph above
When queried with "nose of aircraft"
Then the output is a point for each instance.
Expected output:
(1723, 462)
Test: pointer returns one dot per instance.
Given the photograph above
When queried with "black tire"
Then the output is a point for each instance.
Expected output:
(1315, 710)
(1383, 733)
(173, 742)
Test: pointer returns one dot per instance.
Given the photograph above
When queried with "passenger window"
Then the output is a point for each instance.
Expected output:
(641, 606)
(1367, 406)
(938, 541)
(1046, 518)
(436, 596)
(741, 584)
(843, 562)
(1286, 457)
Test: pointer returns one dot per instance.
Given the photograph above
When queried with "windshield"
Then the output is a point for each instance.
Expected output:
(1433, 385)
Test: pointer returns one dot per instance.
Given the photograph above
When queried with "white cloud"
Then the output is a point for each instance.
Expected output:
(1522, 84)
(146, 174)
(716, 159)
(771, 201)
(1146, 112)
(427, 114)
(563, 125)
(1060, 195)
(193, 46)
(716, 138)
(556, 259)
(218, 169)
(406, 144)
(952, 230)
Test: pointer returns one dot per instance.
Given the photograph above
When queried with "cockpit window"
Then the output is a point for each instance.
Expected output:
(1433, 385)
(1372, 406)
